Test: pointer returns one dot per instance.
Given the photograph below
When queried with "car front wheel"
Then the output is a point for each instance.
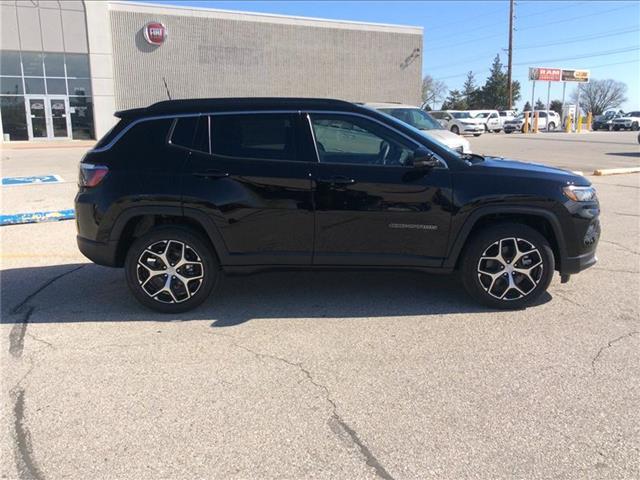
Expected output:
(455, 130)
(507, 266)
(171, 269)
(634, 126)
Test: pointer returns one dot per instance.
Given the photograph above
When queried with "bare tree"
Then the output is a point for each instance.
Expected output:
(433, 91)
(600, 95)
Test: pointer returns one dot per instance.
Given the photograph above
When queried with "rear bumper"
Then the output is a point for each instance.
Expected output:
(98, 252)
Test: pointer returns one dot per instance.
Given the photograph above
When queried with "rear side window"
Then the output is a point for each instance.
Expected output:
(112, 134)
(255, 137)
(183, 131)
(191, 133)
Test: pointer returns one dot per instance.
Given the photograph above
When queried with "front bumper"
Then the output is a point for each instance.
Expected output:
(472, 129)
(572, 265)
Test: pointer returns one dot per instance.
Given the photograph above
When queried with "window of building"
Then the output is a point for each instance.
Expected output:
(264, 137)
(14, 117)
(350, 139)
(44, 74)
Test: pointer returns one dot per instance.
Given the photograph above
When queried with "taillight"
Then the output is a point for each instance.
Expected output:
(91, 175)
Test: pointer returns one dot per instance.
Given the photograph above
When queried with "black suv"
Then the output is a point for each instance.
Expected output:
(183, 190)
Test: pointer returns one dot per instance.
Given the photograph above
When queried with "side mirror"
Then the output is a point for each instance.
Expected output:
(424, 160)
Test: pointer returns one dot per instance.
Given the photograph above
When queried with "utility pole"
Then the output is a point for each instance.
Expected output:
(510, 63)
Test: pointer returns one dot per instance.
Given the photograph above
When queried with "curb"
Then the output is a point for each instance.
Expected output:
(616, 171)
(37, 217)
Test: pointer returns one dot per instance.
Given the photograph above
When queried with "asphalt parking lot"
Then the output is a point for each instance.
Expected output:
(323, 375)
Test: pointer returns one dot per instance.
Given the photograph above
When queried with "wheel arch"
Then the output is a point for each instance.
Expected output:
(134, 222)
(543, 221)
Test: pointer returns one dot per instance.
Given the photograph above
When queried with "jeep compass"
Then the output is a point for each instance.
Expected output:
(181, 192)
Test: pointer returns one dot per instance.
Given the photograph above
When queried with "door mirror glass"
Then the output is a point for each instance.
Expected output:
(424, 159)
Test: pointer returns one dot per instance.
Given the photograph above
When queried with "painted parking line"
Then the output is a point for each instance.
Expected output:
(37, 217)
(35, 179)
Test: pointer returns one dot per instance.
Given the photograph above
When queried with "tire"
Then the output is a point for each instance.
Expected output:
(616, 128)
(500, 291)
(634, 126)
(486, 129)
(164, 245)
(507, 131)
(551, 127)
(477, 134)
(455, 129)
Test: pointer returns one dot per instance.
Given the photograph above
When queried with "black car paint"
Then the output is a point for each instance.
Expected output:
(263, 214)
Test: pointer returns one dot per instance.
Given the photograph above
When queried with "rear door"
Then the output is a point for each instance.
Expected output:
(372, 207)
(246, 172)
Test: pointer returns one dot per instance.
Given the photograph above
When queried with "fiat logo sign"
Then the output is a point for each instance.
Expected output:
(155, 33)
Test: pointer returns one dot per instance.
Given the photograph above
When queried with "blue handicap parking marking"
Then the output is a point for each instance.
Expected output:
(36, 179)
(37, 217)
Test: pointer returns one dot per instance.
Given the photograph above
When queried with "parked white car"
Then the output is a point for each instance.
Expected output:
(492, 122)
(459, 122)
(630, 121)
(547, 120)
(421, 120)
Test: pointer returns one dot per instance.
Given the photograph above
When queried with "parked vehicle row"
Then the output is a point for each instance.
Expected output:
(183, 191)
(548, 120)
(459, 122)
(630, 121)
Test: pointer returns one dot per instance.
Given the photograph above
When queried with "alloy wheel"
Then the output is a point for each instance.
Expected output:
(510, 269)
(170, 271)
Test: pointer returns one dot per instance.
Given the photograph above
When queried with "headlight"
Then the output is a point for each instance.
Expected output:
(580, 194)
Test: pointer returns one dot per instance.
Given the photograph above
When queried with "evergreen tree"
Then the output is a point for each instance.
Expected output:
(540, 105)
(527, 107)
(556, 106)
(495, 92)
(455, 101)
(470, 92)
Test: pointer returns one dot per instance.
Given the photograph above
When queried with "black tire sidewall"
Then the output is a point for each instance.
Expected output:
(202, 247)
(482, 240)
(455, 130)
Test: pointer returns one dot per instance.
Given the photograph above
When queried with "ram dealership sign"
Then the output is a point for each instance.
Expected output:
(545, 74)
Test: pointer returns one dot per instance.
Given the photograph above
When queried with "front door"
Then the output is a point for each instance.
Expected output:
(372, 206)
(48, 117)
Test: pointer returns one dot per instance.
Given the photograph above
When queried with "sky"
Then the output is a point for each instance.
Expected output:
(459, 36)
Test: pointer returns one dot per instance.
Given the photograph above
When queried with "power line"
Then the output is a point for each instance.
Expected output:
(530, 62)
(615, 63)
(528, 47)
(574, 18)
(579, 39)
(577, 57)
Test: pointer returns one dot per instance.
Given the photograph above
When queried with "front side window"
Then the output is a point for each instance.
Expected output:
(355, 140)
(254, 137)
(461, 115)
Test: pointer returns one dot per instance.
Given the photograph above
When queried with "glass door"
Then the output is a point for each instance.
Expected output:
(48, 117)
(37, 117)
(59, 118)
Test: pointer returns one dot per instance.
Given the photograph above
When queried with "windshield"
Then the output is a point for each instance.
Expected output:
(415, 117)
(460, 115)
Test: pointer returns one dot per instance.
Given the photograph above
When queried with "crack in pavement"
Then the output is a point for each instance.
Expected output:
(369, 457)
(26, 465)
(23, 449)
(619, 245)
(19, 329)
(609, 345)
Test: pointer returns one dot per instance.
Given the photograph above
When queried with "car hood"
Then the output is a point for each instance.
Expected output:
(517, 168)
(444, 136)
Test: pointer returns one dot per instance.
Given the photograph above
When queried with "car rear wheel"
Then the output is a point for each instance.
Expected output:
(455, 129)
(552, 127)
(634, 126)
(171, 269)
(507, 266)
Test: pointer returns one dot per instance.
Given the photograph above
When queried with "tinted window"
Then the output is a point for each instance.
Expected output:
(81, 109)
(542, 114)
(77, 65)
(266, 136)
(349, 139)
(54, 64)
(11, 85)
(10, 63)
(184, 131)
(414, 117)
(32, 64)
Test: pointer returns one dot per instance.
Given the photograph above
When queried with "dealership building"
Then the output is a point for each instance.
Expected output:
(67, 66)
